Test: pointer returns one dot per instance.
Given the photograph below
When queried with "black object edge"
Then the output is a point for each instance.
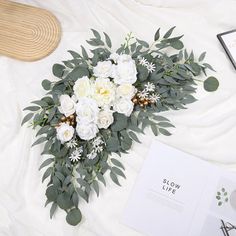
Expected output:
(219, 36)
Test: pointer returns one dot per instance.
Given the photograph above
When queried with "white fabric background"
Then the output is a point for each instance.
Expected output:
(207, 129)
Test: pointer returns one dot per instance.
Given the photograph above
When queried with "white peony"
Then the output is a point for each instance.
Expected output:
(123, 106)
(65, 132)
(87, 131)
(67, 105)
(104, 92)
(105, 119)
(125, 71)
(103, 69)
(126, 91)
(83, 87)
(87, 110)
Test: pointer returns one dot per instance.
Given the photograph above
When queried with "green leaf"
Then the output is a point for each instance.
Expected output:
(75, 199)
(154, 130)
(169, 32)
(47, 173)
(117, 163)
(211, 84)
(118, 171)
(46, 163)
(108, 40)
(53, 209)
(114, 178)
(177, 45)
(159, 118)
(82, 194)
(165, 124)
(157, 35)
(43, 130)
(202, 56)
(208, 66)
(78, 72)
(96, 34)
(74, 217)
(164, 132)
(41, 103)
(46, 84)
(74, 54)
(40, 140)
(58, 70)
(134, 136)
(84, 53)
(96, 187)
(143, 43)
(31, 108)
(51, 193)
(120, 122)
(113, 144)
(27, 118)
(101, 178)
(64, 201)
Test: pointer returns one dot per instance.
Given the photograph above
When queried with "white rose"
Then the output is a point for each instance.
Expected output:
(103, 69)
(83, 87)
(67, 105)
(104, 92)
(87, 131)
(126, 91)
(105, 119)
(123, 106)
(125, 71)
(87, 110)
(65, 132)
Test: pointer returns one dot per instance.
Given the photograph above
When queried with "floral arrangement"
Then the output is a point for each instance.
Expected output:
(98, 103)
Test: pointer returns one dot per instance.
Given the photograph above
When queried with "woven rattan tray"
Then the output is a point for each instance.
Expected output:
(27, 33)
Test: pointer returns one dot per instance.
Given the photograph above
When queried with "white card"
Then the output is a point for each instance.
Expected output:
(178, 194)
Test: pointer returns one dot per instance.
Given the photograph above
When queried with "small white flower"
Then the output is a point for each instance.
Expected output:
(83, 87)
(149, 87)
(86, 131)
(105, 119)
(91, 155)
(142, 94)
(154, 97)
(72, 143)
(123, 106)
(65, 132)
(125, 71)
(67, 105)
(76, 154)
(151, 67)
(97, 141)
(87, 111)
(104, 93)
(126, 91)
(143, 61)
(103, 69)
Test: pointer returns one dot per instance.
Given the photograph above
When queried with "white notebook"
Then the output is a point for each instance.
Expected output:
(177, 194)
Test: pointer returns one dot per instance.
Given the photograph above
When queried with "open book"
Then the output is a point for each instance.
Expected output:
(178, 194)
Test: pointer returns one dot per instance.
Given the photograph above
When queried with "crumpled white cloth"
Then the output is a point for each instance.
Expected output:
(206, 129)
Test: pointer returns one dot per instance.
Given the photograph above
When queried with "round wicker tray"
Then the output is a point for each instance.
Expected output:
(27, 33)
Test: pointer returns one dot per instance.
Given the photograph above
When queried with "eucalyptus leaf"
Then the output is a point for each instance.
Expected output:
(74, 217)
(211, 84)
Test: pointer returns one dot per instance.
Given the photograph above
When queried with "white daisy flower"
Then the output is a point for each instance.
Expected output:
(143, 61)
(151, 67)
(76, 154)
(97, 141)
(72, 144)
(154, 97)
(149, 87)
(142, 94)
